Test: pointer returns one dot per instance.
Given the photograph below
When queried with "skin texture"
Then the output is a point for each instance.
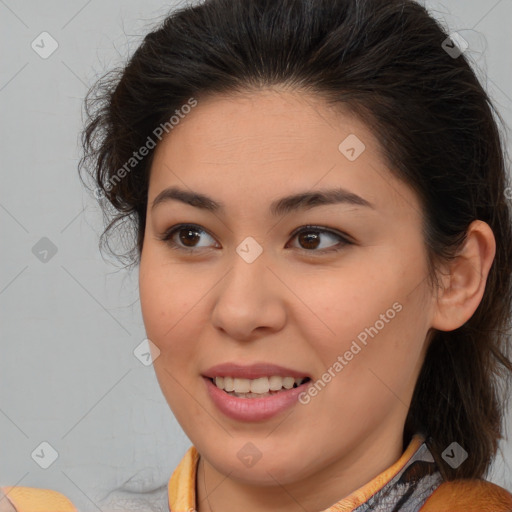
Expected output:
(5, 504)
(295, 305)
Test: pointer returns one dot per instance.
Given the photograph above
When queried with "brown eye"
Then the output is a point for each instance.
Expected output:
(186, 237)
(310, 238)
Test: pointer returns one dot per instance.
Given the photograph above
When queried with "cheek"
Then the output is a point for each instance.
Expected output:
(372, 319)
(348, 301)
(168, 300)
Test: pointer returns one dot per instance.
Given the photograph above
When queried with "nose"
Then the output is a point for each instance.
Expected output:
(250, 300)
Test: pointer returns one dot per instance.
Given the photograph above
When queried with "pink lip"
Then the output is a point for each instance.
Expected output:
(252, 371)
(253, 409)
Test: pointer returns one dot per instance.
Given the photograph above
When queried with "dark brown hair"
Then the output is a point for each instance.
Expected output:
(385, 61)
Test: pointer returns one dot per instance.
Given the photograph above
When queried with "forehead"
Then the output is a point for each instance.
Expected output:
(253, 145)
(258, 131)
(277, 119)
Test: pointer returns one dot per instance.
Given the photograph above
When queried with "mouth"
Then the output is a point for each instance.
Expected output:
(253, 400)
(257, 388)
(254, 392)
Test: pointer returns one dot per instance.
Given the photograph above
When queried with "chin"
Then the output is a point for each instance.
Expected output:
(265, 470)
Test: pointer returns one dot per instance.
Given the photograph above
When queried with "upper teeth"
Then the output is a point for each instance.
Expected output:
(261, 385)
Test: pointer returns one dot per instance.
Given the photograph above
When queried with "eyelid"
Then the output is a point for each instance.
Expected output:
(344, 238)
(323, 229)
(169, 234)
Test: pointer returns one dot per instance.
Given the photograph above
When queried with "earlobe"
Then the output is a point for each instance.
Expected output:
(464, 285)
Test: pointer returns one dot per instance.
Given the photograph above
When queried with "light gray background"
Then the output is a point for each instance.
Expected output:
(70, 324)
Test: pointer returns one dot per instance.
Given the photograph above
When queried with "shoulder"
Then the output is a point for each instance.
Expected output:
(468, 496)
(32, 499)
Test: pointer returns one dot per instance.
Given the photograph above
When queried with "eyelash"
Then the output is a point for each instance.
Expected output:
(167, 238)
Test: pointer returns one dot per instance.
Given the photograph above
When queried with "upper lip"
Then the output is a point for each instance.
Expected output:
(251, 371)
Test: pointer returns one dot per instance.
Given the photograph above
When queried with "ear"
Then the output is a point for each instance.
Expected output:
(465, 279)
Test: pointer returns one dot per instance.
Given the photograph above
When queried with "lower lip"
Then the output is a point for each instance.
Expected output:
(253, 409)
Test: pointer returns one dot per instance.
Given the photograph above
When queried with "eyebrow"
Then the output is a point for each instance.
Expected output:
(282, 206)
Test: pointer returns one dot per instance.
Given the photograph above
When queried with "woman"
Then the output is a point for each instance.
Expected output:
(323, 233)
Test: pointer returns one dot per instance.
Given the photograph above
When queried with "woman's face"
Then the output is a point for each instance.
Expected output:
(250, 285)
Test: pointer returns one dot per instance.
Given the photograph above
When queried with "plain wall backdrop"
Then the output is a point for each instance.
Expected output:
(70, 319)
